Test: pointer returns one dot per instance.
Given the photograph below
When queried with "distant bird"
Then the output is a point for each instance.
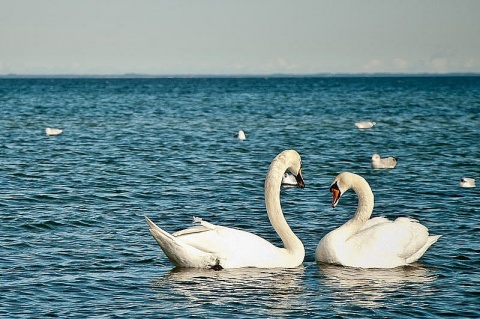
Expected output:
(240, 135)
(53, 131)
(289, 180)
(388, 162)
(467, 182)
(365, 124)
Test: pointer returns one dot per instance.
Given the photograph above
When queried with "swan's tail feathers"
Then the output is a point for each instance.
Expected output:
(433, 239)
(179, 253)
(163, 238)
(430, 241)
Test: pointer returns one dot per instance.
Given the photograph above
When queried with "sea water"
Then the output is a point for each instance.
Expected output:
(74, 242)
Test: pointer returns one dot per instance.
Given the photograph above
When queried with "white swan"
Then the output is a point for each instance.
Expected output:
(467, 182)
(289, 180)
(371, 243)
(53, 131)
(211, 246)
(240, 135)
(364, 124)
(387, 162)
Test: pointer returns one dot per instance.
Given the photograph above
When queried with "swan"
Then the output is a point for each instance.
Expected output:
(467, 182)
(210, 246)
(387, 162)
(53, 131)
(240, 135)
(371, 243)
(289, 180)
(364, 124)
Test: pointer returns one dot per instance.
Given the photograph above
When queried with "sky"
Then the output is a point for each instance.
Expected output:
(238, 37)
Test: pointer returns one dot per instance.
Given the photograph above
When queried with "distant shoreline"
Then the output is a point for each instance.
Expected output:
(199, 76)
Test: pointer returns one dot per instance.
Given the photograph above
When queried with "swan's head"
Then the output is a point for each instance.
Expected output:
(342, 183)
(293, 159)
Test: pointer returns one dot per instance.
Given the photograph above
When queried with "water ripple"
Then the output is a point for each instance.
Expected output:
(73, 236)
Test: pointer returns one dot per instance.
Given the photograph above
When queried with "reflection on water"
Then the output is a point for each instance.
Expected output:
(372, 288)
(273, 291)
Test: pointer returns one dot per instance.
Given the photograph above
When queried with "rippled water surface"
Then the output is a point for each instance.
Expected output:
(74, 242)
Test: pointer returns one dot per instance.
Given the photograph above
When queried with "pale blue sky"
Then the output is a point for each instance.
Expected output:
(164, 37)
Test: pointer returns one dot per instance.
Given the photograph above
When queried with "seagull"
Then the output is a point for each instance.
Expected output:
(467, 182)
(240, 135)
(364, 124)
(387, 162)
(53, 131)
(289, 180)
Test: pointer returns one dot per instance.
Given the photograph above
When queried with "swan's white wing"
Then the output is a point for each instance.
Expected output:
(234, 247)
(191, 230)
(207, 245)
(387, 243)
(375, 221)
(205, 239)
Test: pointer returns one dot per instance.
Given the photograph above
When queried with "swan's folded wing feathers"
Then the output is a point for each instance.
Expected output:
(227, 243)
(203, 238)
(407, 219)
(415, 236)
(402, 237)
(375, 221)
(191, 230)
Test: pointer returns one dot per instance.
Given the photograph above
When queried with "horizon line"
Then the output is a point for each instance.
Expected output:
(252, 75)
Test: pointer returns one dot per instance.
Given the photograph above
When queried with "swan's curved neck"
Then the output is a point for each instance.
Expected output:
(365, 203)
(274, 210)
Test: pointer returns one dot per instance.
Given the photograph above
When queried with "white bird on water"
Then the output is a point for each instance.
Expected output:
(467, 182)
(53, 131)
(240, 135)
(289, 180)
(371, 242)
(387, 162)
(211, 246)
(364, 124)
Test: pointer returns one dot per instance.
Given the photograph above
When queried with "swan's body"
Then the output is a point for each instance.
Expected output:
(371, 243)
(240, 135)
(467, 182)
(289, 180)
(364, 124)
(211, 246)
(53, 131)
(387, 162)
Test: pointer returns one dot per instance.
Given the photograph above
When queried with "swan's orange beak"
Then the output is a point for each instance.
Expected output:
(299, 178)
(336, 195)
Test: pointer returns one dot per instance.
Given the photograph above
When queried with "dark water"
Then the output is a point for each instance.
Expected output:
(74, 242)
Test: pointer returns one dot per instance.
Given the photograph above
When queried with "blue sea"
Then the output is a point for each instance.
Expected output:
(74, 242)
